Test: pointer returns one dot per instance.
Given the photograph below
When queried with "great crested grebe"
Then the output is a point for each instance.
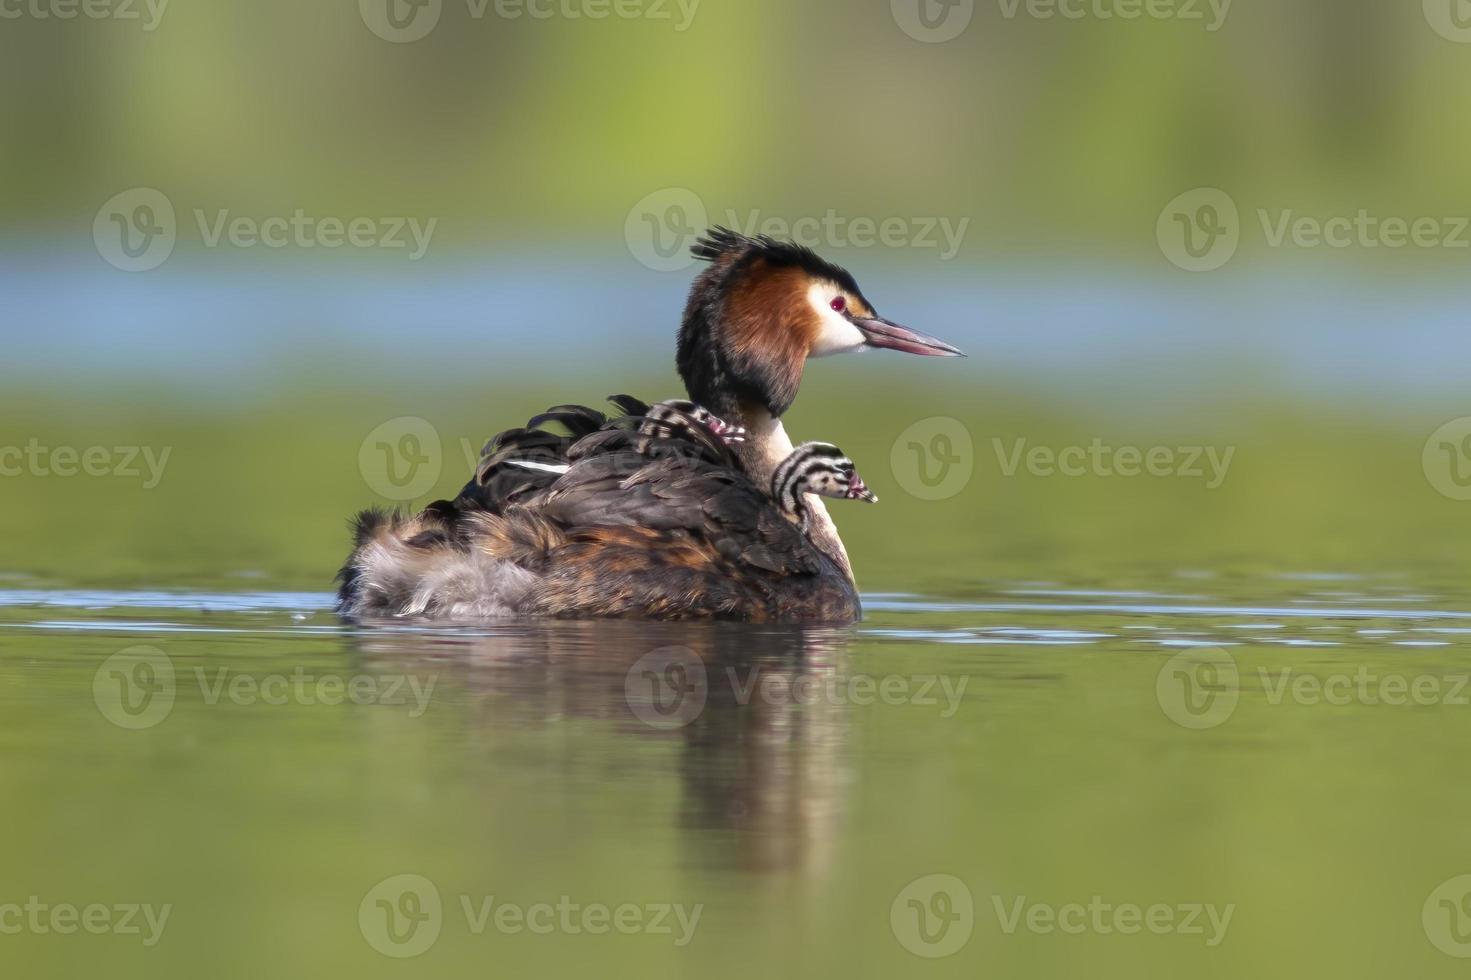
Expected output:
(669, 512)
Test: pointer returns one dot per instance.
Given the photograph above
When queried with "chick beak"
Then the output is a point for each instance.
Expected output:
(878, 332)
(858, 491)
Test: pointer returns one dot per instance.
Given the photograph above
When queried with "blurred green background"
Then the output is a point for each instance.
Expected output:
(565, 163)
(1053, 136)
(558, 167)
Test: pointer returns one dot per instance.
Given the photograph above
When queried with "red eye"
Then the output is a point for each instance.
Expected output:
(839, 304)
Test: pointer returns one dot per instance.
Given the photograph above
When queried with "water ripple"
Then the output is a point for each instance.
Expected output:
(1290, 622)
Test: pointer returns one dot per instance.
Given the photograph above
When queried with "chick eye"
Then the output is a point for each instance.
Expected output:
(839, 304)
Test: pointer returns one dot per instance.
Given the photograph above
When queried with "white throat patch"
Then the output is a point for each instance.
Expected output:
(837, 335)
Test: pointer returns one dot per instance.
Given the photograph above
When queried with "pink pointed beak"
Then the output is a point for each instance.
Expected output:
(878, 332)
(857, 490)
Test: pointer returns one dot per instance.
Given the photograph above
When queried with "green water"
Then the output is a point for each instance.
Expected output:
(1092, 705)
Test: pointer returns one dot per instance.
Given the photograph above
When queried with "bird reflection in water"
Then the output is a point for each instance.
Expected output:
(762, 765)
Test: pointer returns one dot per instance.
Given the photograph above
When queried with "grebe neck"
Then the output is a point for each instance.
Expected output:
(766, 445)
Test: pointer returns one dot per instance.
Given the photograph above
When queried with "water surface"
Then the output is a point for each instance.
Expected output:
(1254, 747)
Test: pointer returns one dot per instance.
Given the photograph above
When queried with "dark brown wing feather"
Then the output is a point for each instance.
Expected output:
(496, 484)
(584, 433)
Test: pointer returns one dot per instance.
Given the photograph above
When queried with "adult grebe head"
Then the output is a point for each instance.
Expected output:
(761, 309)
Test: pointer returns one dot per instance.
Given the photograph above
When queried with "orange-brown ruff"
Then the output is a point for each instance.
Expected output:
(579, 514)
